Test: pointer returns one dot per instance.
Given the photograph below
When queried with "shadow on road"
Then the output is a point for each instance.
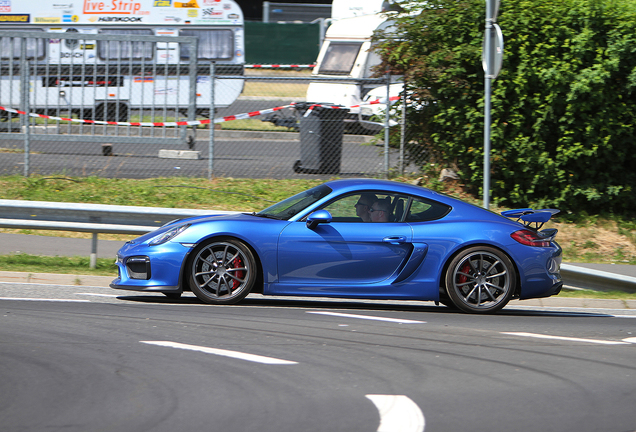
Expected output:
(376, 305)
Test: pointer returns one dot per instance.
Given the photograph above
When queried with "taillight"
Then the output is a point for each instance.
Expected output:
(531, 238)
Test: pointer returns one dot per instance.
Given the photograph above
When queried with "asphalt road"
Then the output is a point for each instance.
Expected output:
(246, 157)
(85, 358)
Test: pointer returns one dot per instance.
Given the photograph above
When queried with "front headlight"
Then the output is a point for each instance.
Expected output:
(168, 235)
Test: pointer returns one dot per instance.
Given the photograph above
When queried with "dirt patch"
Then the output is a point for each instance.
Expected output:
(600, 242)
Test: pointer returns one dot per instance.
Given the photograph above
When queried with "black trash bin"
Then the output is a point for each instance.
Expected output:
(320, 138)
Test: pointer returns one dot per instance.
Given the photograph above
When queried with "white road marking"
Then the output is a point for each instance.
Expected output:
(630, 340)
(368, 317)
(222, 352)
(563, 338)
(398, 413)
(45, 299)
(99, 295)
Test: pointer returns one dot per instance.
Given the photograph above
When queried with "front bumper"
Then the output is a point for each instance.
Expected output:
(150, 268)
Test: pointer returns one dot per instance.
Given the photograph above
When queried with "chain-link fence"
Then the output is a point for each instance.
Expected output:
(134, 115)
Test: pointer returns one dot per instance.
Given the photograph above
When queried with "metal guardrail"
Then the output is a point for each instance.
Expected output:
(92, 218)
(115, 219)
(581, 277)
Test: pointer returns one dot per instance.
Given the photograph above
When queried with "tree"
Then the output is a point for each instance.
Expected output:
(563, 106)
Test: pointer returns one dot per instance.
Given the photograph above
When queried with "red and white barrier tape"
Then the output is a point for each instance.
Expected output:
(251, 114)
(277, 66)
(148, 124)
(191, 122)
(373, 102)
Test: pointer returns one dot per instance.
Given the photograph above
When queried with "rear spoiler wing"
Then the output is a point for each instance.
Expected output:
(533, 219)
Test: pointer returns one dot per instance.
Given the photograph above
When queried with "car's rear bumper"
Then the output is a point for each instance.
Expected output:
(540, 272)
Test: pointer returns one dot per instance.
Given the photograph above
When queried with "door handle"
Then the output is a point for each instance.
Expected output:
(394, 239)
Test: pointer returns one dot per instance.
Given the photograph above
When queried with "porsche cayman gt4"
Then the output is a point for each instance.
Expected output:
(354, 238)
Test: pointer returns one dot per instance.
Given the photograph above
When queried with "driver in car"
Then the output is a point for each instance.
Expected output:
(363, 205)
(379, 210)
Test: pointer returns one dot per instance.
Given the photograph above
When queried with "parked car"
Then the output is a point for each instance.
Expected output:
(429, 247)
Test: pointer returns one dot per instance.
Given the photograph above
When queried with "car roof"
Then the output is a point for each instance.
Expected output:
(346, 185)
(464, 208)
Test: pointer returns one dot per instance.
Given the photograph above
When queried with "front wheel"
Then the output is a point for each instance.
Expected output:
(481, 279)
(222, 272)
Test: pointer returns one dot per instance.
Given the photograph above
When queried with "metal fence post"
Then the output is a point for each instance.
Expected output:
(386, 126)
(24, 95)
(265, 11)
(212, 124)
(403, 130)
(192, 97)
(93, 259)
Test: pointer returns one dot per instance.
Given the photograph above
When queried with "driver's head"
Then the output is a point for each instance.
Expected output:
(380, 210)
(364, 204)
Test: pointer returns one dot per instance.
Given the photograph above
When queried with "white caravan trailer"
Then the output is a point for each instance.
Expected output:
(218, 24)
(351, 8)
(346, 53)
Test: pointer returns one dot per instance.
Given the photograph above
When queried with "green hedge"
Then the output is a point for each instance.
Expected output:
(563, 106)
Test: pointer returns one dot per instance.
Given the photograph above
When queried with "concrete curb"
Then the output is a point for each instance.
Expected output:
(55, 279)
(566, 302)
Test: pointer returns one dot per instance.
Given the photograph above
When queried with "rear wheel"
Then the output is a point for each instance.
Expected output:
(222, 271)
(481, 280)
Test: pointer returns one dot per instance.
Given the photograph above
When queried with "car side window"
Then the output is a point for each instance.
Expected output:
(426, 210)
(368, 206)
(344, 209)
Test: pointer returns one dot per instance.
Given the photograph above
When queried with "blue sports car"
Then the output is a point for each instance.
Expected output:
(354, 238)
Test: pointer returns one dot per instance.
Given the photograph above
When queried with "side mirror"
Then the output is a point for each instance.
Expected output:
(318, 217)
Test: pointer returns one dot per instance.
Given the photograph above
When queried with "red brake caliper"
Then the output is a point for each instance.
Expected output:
(237, 263)
(464, 278)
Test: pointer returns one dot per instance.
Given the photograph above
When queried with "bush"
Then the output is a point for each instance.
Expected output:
(563, 106)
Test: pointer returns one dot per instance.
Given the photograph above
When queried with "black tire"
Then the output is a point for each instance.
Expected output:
(481, 280)
(190, 142)
(222, 271)
(298, 166)
(172, 296)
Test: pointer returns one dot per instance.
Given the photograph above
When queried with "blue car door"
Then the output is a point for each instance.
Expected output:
(346, 254)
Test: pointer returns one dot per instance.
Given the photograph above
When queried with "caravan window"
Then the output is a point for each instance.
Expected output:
(125, 49)
(11, 47)
(213, 44)
(339, 58)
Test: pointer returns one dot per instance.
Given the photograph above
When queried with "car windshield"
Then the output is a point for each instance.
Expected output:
(295, 204)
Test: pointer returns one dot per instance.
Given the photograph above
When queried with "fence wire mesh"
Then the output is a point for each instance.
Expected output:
(263, 125)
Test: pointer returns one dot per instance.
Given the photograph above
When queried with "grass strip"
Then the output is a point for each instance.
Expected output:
(76, 265)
